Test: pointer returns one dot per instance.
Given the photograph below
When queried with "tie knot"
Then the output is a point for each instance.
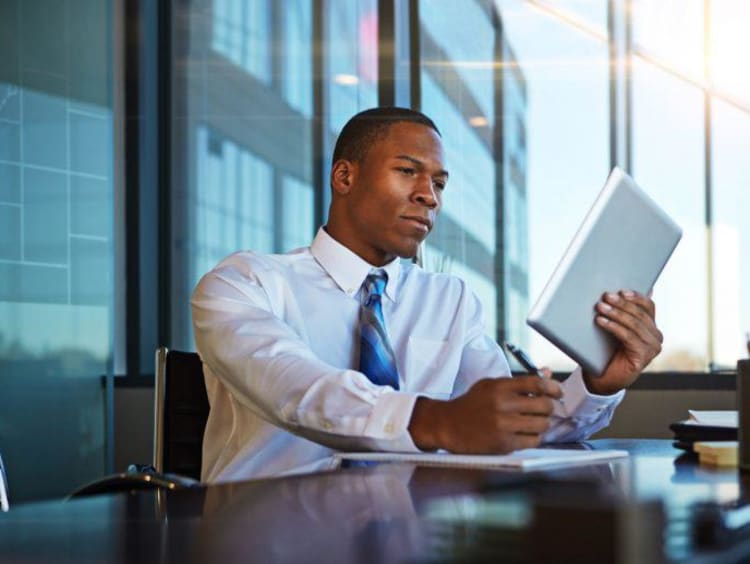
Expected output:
(375, 285)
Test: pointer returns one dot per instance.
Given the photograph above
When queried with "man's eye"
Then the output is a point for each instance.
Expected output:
(440, 185)
(407, 170)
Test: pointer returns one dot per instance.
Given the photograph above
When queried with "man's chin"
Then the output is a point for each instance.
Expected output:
(408, 252)
(406, 247)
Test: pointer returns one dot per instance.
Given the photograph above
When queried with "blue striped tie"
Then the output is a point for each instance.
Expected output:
(376, 358)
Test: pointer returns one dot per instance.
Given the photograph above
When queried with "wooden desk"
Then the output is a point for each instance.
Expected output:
(386, 513)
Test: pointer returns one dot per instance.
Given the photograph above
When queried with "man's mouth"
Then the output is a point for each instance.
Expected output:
(420, 222)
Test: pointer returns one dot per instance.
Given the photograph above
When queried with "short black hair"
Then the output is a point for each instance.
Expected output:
(367, 127)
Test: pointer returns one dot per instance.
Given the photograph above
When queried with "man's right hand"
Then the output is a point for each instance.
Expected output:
(496, 415)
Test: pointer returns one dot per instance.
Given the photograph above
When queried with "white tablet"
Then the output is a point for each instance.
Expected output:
(623, 244)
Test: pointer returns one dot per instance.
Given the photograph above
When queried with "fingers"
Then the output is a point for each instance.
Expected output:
(640, 300)
(498, 415)
(633, 312)
(520, 431)
(533, 385)
(627, 304)
(528, 409)
(633, 336)
(629, 317)
(525, 404)
(531, 425)
(526, 441)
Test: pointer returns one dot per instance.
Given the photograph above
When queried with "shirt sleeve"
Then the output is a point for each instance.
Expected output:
(580, 414)
(268, 368)
(575, 418)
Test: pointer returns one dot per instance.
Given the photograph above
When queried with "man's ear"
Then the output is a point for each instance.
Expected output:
(342, 176)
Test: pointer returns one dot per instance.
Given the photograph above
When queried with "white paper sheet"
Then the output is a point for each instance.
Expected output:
(716, 418)
(531, 458)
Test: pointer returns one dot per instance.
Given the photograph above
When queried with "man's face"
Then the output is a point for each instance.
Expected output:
(395, 194)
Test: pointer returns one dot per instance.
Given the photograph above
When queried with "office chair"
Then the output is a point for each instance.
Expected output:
(180, 415)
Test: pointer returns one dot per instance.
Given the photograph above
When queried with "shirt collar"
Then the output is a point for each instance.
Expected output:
(348, 269)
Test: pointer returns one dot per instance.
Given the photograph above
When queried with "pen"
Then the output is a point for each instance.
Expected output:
(523, 359)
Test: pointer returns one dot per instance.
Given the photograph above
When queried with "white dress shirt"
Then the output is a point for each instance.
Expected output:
(278, 336)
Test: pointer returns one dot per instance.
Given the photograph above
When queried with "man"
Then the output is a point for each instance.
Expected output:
(341, 345)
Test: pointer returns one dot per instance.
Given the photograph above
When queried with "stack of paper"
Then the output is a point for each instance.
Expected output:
(705, 426)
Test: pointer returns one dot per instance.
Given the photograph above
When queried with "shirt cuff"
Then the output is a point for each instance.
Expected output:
(579, 402)
(388, 423)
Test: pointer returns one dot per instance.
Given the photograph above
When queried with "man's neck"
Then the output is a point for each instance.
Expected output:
(376, 261)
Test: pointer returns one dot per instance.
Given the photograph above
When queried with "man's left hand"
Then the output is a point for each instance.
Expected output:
(630, 318)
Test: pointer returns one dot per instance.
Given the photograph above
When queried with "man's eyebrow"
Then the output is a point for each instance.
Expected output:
(421, 164)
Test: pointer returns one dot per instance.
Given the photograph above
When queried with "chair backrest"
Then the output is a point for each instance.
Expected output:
(180, 412)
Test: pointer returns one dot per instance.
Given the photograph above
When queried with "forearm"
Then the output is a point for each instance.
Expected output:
(306, 396)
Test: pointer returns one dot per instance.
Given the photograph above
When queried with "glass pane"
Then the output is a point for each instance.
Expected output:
(296, 71)
(730, 44)
(731, 233)
(671, 31)
(351, 60)
(458, 92)
(668, 162)
(243, 126)
(242, 33)
(350, 69)
(556, 93)
(56, 250)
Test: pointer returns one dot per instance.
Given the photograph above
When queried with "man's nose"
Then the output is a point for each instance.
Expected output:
(425, 193)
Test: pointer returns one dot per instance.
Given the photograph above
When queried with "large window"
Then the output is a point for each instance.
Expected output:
(683, 93)
(690, 85)
(536, 103)
(56, 242)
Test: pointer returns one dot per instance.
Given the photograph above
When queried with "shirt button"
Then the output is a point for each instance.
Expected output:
(350, 290)
(327, 425)
(389, 428)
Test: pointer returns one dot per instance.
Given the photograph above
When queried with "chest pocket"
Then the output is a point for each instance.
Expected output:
(429, 367)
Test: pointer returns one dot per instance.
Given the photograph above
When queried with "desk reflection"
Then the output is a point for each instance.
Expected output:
(384, 513)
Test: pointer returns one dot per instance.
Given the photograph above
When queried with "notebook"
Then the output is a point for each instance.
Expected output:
(705, 426)
(526, 459)
(623, 244)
